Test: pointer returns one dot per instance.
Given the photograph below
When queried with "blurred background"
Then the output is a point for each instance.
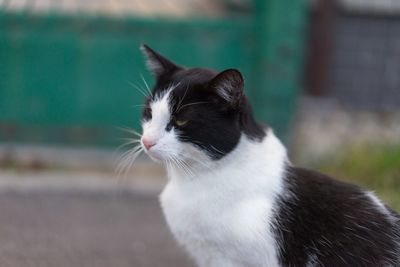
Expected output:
(325, 74)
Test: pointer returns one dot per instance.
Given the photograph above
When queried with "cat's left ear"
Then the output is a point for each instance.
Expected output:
(229, 86)
(156, 63)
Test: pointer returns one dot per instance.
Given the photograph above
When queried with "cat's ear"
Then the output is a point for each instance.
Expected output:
(156, 63)
(228, 85)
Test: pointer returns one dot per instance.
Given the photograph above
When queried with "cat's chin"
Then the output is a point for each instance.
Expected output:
(155, 157)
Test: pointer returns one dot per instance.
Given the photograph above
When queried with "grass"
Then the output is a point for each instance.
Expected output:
(376, 168)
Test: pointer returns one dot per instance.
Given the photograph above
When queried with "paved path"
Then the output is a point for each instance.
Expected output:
(72, 228)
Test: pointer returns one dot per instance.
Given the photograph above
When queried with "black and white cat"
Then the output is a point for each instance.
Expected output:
(234, 199)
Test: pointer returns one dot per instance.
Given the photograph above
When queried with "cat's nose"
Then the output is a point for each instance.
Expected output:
(148, 143)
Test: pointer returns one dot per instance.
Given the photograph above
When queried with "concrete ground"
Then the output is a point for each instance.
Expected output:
(43, 228)
(82, 217)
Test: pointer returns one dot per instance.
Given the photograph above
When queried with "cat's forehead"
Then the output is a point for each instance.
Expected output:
(194, 75)
(185, 82)
(178, 98)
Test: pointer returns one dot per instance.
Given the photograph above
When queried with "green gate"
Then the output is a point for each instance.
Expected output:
(67, 78)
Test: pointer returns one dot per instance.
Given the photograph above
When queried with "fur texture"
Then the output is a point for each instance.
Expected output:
(234, 200)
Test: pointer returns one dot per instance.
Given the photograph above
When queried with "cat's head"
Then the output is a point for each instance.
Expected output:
(194, 114)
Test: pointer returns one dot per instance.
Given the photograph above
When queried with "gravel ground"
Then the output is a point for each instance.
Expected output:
(103, 226)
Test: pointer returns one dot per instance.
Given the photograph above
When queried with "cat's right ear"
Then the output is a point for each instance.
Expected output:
(156, 63)
(229, 86)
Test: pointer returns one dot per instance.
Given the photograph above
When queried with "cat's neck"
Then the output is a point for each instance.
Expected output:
(252, 165)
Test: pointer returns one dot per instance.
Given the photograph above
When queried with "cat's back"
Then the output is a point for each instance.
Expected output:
(324, 222)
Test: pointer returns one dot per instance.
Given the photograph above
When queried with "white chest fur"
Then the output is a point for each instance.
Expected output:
(222, 216)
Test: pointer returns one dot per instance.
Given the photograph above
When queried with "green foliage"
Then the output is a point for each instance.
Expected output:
(374, 167)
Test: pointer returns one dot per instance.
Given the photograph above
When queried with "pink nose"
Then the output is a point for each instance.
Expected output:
(147, 143)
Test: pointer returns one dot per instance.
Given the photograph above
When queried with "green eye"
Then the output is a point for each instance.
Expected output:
(180, 123)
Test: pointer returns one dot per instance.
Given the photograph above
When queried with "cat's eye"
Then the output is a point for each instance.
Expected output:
(181, 122)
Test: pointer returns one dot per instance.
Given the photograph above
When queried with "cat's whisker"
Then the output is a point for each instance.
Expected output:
(169, 165)
(173, 160)
(131, 131)
(143, 92)
(217, 150)
(200, 162)
(189, 171)
(195, 103)
(123, 158)
(126, 160)
(129, 139)
(129, 142)
(146, 85)
(213, 149)
(133, 157)
(183, 98)
(182, 167)
(125, 155)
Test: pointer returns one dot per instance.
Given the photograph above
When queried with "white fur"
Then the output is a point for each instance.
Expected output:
(155, 128)
(222, 215)
(220, 211)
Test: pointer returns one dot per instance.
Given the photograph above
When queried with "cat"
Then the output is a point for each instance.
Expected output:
(233, 198)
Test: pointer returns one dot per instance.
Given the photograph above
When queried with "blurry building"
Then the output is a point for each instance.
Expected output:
(354, 53)
(352, 79)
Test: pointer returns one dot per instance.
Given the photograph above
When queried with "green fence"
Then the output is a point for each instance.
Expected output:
(67, 78)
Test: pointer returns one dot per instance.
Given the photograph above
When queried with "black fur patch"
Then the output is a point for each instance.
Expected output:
(333, 223)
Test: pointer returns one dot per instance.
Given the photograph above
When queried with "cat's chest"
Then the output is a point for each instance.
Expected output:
(190, 211)
(208, 219)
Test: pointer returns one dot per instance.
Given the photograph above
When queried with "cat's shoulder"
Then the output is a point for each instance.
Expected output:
(320, 195)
